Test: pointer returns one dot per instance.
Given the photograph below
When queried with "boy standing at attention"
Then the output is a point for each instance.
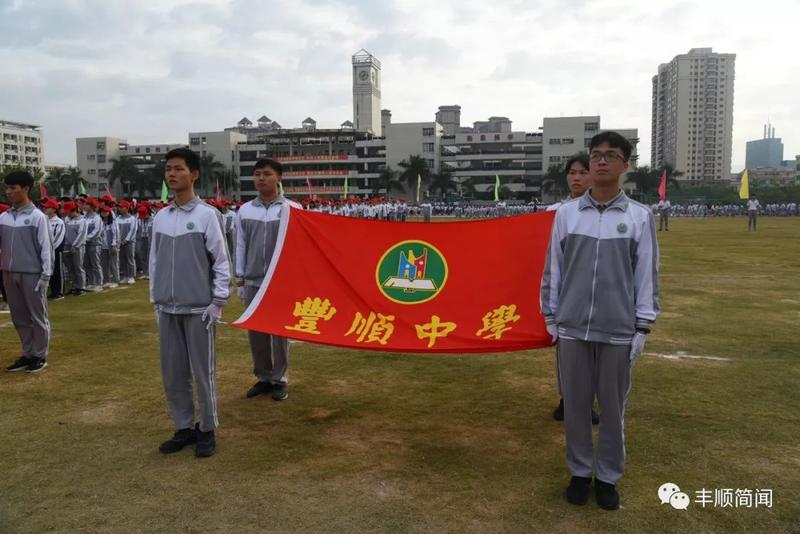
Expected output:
(599, 299)
(189, 285)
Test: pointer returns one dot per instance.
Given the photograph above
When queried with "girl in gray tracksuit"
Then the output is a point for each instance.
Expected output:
(109, 249)
(74, 247)
(94, 271)
(127, 244)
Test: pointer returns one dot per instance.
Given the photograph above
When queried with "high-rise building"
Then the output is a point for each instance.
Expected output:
(21, 144)
(450, 119)
(766, 152)
(692, 115)
(366, 93)
(406, 139)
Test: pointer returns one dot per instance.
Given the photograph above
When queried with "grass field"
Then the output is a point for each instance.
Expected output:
(373, 442)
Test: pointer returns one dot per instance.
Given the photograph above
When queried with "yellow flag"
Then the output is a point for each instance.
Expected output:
(744, 188)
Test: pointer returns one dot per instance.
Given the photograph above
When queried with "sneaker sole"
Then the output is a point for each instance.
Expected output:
(17, 370)
(36, 370)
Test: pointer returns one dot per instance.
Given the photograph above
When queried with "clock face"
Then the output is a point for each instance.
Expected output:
(363, 75)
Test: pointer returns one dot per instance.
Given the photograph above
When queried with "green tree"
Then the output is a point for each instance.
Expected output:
(647, 180)
(155, 177)
(554, 182)
(72, 181)
(414, 167)
(442, 183)
(388, 182)
(210, 171)
(124, 171)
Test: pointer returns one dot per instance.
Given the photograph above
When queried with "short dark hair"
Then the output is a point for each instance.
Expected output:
(614, 140)
(190, 157)
(20, 178)
(273, 164)
(581, 158)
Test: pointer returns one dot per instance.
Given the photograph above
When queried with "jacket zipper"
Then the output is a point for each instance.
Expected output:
(172, 267)
(594, 276)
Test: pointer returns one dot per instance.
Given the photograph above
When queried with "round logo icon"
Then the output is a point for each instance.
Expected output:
(27, 221)
(622, 228)
(411, 272)
(190, 226)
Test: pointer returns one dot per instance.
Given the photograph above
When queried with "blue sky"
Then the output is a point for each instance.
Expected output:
(152, 71)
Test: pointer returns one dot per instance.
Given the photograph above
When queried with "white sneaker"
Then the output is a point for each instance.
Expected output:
(112, 285)
(131, 281)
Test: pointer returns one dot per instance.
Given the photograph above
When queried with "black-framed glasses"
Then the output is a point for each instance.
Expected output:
(609, 156)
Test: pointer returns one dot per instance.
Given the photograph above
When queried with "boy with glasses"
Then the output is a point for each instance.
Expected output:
(603, 252)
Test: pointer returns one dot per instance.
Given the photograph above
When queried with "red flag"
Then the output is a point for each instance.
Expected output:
(662, 187)
(42, 191)
(405, 287)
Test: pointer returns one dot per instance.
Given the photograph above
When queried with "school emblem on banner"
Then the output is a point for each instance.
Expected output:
(411, 272)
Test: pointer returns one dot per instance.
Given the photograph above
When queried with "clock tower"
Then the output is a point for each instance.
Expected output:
(366, 92)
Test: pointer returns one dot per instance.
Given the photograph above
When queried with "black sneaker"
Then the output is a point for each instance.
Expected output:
(36, 365)
(280, 392)
(595, 418)
(206, 444)
(20, 365)
(558, 413)
(260, 388)
(578, 490)
(182, 438)
(606, 495)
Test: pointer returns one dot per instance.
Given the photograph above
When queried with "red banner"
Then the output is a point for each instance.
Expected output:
(405, 287)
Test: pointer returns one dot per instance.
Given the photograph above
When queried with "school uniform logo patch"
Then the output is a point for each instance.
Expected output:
(27, 221)
(190, 226)
(622, 228)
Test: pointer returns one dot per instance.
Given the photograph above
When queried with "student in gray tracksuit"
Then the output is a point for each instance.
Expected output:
(26, 261)
(143, 236)
(189, 285)
(94, 227)
(599, 299)
(257, 223)
(127, 243)
(74, 246)
(109, 248)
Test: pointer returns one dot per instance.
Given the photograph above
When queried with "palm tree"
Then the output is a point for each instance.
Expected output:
(387, 182)
(414, 168)
(54, 181)
(555, 181)
(442, 182)
(210, 171)
(154, 178)
(466, 188)
(126, 172)
(72, 181)
(647, 180)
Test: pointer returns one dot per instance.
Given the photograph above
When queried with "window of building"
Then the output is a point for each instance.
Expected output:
(91, 171)
(469, 138)
(427, 147)
(510, 137)
(430, 163)
(483, 137)
(591, 126)
(428, 132)
(101, 158)
(138, 150)
(90, 157)
(555, 141)
(147, 150)
(192, 141)
(158, 149)
(568, 141)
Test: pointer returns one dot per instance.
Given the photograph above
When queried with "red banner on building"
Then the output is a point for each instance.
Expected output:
(405, 287)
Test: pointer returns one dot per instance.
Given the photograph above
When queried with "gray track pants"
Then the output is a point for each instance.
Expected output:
(73, 261)
(588, 369)
(270, 353)
(110, 260)
(188, 351)
(94, 270)
(142, 256)
(127, 262)
(28, 313)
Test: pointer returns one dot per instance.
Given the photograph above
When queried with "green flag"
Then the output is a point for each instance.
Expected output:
(346, 186)
(164, 191)
(81, 188)
(280, 188)
(496, 187)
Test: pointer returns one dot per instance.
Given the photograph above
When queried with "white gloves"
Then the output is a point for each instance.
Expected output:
(240, 292)
(553, 331)
(41, 287)
(212, 315)
(637, 346)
